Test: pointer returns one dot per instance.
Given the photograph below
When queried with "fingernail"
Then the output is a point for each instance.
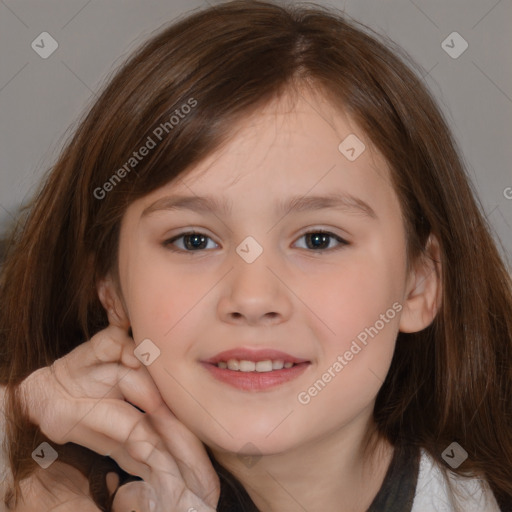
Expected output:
(152, 506)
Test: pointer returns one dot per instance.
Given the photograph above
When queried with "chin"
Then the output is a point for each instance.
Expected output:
(250, 440)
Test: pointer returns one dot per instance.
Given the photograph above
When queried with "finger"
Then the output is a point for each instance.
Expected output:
(138, 387)
(123, 350)
(143, 497)
(128, 358)
(133, 385)
(109, 447)
(117, 429)
(189, 453)
(135, 497)
(87, 411)
(107, 346)
(109, 380)
(113, 380)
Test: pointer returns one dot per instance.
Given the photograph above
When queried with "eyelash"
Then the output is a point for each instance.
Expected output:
(341, 241)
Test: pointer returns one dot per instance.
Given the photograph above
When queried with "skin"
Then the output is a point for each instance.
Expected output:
(81, 398)
(311, 303)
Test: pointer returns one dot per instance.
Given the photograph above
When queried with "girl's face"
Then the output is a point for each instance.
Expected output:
(260, 277)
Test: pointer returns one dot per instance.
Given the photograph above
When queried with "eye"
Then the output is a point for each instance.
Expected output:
(192, 241)
(320, 240)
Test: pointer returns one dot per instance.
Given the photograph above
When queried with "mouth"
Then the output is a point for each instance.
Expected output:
(266, 365)
(255, 370)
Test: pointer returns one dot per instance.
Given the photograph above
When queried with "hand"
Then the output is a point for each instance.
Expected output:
(59, 488)
(83, 398)
(63, 488)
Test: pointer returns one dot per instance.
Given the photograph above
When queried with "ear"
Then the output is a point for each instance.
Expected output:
(111, 301)
(424, 290)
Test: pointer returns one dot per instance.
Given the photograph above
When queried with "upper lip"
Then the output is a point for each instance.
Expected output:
(245, 354)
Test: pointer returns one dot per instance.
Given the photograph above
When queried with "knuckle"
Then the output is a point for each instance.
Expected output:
(140, 450)
(141, 442)
(105, 348)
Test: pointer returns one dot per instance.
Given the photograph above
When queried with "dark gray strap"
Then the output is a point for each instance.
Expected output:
(399, 487)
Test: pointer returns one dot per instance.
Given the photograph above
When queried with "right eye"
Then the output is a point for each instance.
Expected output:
(192, 242)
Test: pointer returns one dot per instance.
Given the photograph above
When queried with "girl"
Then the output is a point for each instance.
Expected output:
(268, 201)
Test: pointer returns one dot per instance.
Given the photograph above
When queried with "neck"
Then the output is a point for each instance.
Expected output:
(332, 473)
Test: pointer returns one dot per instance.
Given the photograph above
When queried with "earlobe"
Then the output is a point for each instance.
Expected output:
(109, 298)
(424, 290)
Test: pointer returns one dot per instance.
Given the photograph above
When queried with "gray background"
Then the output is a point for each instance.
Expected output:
(42, 99)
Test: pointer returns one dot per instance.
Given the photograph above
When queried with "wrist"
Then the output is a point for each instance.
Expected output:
(27, 392)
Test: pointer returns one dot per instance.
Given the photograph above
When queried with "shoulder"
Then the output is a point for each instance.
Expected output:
(434, 494)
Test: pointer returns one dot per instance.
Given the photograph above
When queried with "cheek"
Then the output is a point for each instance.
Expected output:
(353, 296)
(167, 306)
(346, 386)
(159, 295)
(355, 359)
(360, 309)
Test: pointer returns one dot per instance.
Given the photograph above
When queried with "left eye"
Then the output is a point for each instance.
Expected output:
(315, 240)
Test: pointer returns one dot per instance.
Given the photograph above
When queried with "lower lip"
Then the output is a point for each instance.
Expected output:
(256, 381)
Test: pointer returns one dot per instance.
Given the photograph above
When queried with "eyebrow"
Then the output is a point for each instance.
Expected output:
(206, 204)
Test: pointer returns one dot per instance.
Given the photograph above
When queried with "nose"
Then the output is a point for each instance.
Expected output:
(255, 293)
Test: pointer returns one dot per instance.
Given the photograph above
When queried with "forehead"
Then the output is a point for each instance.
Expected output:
(296, 143)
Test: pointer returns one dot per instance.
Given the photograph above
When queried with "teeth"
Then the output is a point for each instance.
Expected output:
(264, 366)
(250, 366)
(234, 364)
(247, 366)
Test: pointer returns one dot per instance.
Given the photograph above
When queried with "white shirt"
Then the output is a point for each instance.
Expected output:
(433, 495)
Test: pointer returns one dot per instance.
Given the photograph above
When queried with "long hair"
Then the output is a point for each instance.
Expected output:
(185, 89)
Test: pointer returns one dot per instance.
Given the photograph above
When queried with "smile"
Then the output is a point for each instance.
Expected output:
(250, 369)
(243, 365)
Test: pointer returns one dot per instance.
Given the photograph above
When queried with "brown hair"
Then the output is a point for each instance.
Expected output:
(450, 382)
